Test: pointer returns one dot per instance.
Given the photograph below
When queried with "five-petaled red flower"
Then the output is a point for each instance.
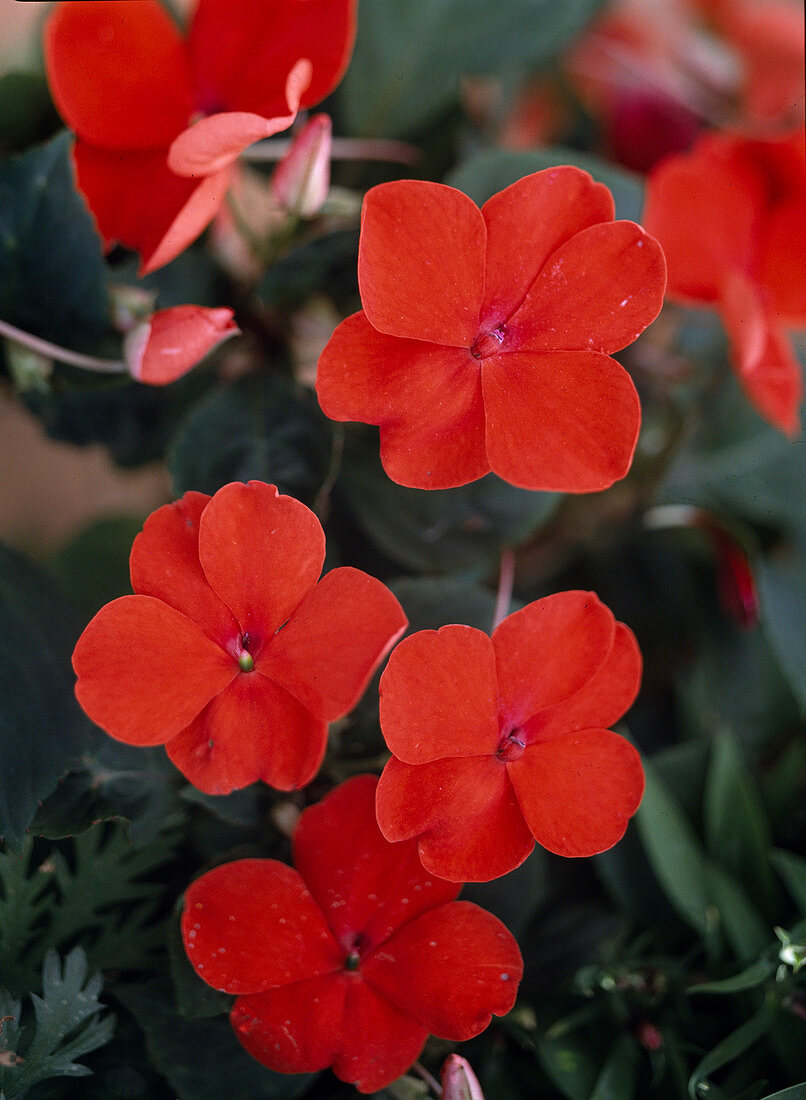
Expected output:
(502, 741)
(731, 216)
(351, 960)
(485, 339)
(129, 84)
(231, 654)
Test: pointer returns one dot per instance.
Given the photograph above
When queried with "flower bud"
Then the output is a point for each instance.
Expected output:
(459, 1082)
(130, 304)
(172, 341)
(301, 180)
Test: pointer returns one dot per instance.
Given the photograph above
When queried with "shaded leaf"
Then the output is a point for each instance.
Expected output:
(570, 1063)
(93, 567)
(782, 586)
(731, 1048)
(432, 602)
(327, 261)
(619, 1075)
(792, 869)
(749, 978)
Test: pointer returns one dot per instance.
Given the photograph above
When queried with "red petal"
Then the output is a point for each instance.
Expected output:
(193, 218)
(262, 553)
(427, 399)
(253, 730)
(782, 258)
(578, 792)
(529, 221)
(465, 813)
(118, 72)
(145, 671)
(452, 969)
(336, 1020)
(598, 292)
(549, 650)
(334, 641)
(172, 341)
(251, 925)
(565, 421)
(601, 701)
(164, 563)
(439, 696)
(241, 64)
(421, 262)
(366, 886)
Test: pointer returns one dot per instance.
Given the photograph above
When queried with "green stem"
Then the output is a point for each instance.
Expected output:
(63, 355)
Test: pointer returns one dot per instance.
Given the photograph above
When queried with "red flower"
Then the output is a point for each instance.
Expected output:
(731, 216)
(129, 84)
(485, 337)
(231, 654)
(351, 960)
(500, 742)
(172, 341)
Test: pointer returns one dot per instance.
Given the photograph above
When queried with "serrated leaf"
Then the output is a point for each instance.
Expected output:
(487, 173)
(52, 273)
(22, 907)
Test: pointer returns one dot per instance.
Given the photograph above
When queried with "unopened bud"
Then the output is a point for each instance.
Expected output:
(130, 304)
(301, 180)
(172, 341)
(459, 1082)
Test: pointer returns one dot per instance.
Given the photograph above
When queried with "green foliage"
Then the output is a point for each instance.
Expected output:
(782, 584)
(68, 1025)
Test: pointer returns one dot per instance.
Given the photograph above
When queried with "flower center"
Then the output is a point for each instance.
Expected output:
(488, 343)
(511, 747)
(245, 661)
(353, 956)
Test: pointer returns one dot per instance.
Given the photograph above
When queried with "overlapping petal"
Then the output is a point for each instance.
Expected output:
(127, 661)
(320, 662)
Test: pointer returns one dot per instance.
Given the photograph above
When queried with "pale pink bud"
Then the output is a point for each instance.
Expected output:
(459, 1082)
(172, 341)
(301, 180)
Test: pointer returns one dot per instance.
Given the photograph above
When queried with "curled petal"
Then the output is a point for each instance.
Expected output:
(334, 641)
(192, 219)
(145, 671)
(250, 925)
(252, 730)
(562, 421)
(578, 792)
(421, 262)
(173, 341)
(439, 696)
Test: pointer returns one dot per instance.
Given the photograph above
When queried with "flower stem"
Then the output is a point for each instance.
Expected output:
(63, 355)
(342, 149)
(428, 1078)
(506, 581)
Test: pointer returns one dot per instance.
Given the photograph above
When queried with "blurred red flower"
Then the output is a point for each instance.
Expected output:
(231, 654)
(354, 958)
(485, 339)
(502, 741)
(129, 84)
(731, 217)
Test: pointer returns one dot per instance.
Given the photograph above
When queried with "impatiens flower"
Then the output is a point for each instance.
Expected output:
(352, 959)
(130, 85)
(231, 654)
(172, 341)
(485, 339)
(731, 216)
(502, 741)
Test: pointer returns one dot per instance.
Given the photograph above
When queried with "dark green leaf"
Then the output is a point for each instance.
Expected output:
(515, 897)
(26, 110)
(619, 1075)
(94, 565)
(52, 273)
(794, 1092)
(570, 1063)
(483, 175)
(782, 586)
(409, 57)
(432, 602)
(194, 998)
(749, 978)
(328, 261)
(741, 923)
(731, 1048)
(792, 869)
(23, 904)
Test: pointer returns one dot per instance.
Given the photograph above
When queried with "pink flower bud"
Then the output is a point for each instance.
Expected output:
(301, 180)
(459, 1082)
(172, 341)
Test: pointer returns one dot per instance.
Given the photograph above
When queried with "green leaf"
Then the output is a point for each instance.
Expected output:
(619, 1075)
(782, 586)
(329, 261)
(26, 110)
(432, 602)
(42, 729)
(792, 869)
(749, 978)
(68, 1026)
(23, 903)
(93, 567)
(52, 273)
(731, 1048)
(441, 530)
(487, 173)
(794, 1092)
(194, 997)
(409, 57)
(255, 429)
(570, 1063)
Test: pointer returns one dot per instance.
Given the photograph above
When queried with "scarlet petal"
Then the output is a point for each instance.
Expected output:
(527, 222)
(598, 292)
(464, 812)
(118, 72)
(337, 1020)
(333, 642)
(241, 64)
(421, 262)
(145, 671)
(192, 219)
(426, 398)
(164, 563)
(439, 696)
(452, 969)
(549, 650)
(253, 730)
(262, 553)
(251, 925)
(364, 885)
(172, 341)
(578, 792)
(602, 700)
(565, 421)
(782, 257)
